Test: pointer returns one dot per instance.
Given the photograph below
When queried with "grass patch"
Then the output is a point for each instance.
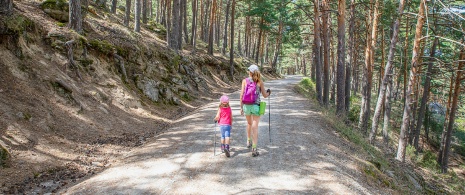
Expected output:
(4, 156)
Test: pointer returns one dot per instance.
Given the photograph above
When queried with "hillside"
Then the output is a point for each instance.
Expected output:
(62, 123)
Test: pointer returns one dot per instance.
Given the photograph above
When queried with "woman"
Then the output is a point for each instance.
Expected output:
(251, 108)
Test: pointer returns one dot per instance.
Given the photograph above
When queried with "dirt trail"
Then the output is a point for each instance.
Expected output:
(305, 156)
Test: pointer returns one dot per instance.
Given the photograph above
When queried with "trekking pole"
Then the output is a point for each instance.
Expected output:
(269, 115)
(214, 148)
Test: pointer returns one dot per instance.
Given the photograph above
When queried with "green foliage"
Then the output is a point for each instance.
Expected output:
(428, 160)
(354, 113)
(156, 27)
(102, 46)
(307, 83)
(18, 23)
(60, 24)
(4, 156)
(55, 4)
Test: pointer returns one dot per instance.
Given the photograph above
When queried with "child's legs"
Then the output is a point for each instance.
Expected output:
(223, 129)
(227, 134)
(255, 121)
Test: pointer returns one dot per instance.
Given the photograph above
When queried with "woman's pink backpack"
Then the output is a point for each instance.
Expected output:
(250, 94)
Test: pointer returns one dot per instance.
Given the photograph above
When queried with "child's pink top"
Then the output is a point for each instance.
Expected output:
(225, 116)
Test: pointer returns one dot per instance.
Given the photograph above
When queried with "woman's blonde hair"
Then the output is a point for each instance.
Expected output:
(256, 76)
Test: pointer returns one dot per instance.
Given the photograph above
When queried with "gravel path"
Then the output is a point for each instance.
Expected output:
(305, 156)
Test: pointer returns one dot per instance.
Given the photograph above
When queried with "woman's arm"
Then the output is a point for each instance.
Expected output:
(242, 93)
(263, 91)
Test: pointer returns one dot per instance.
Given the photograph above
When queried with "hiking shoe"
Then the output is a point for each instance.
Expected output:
(226, 152)
(255, 152)
(249, 143)
(222, 148)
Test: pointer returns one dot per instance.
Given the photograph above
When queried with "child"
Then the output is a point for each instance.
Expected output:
(224, 118)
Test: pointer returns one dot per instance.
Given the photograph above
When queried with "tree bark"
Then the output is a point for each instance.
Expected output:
(231, 49)
(184, 13)
(444, 130)
(277, 46)
(453, 111)
(75, 16)
(259, 40)
(114, 3)
(128, 13)
(326, 52)
(425, 96)
(387, 78)
(194, 24)
(6, 7)
(341, 55)
(226, 20)
(351, 56)
(368, 70)
(144, 11)
(137, 14)
(413, 71)
(175, 26)
(316, 51)
(212, 22)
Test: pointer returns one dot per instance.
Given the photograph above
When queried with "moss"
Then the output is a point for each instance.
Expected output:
(122, 51)
(18, 23)
(102, 46)
(60, 24)
(4, 156)
(156, 27)
(86, 62)
(55, 4)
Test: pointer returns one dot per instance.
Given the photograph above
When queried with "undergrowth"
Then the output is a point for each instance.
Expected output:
(426, 159)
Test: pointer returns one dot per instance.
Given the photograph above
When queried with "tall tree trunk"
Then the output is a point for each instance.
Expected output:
(425, 96)
(239, 48)
(317, 51)
(75, 15)
(6, 7)
(351, 56)
(184, 23)
(368, 69)
(387, 78)
(259, 40)
(175, 26)
(231, 49)
(212, 22)
(168, 23)
(413, 71)
(144, 11)
(137, 10)
(326, 51)
(277, 46)
(444, 130)
(113, 6)
(180, 25)
(341, 56)
(453, 111)
(128, 13)
(225, 37)
(194, 24)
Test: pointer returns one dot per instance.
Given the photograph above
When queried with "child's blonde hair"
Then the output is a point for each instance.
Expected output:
(221, 105)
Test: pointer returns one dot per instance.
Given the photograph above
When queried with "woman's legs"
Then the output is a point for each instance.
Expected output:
(249, 127)
(254, 129)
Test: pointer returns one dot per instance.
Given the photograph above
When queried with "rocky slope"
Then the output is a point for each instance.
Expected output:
(62, 120)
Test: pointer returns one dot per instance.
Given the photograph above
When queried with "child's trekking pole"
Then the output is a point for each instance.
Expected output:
(214, 147)
(269, 116)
